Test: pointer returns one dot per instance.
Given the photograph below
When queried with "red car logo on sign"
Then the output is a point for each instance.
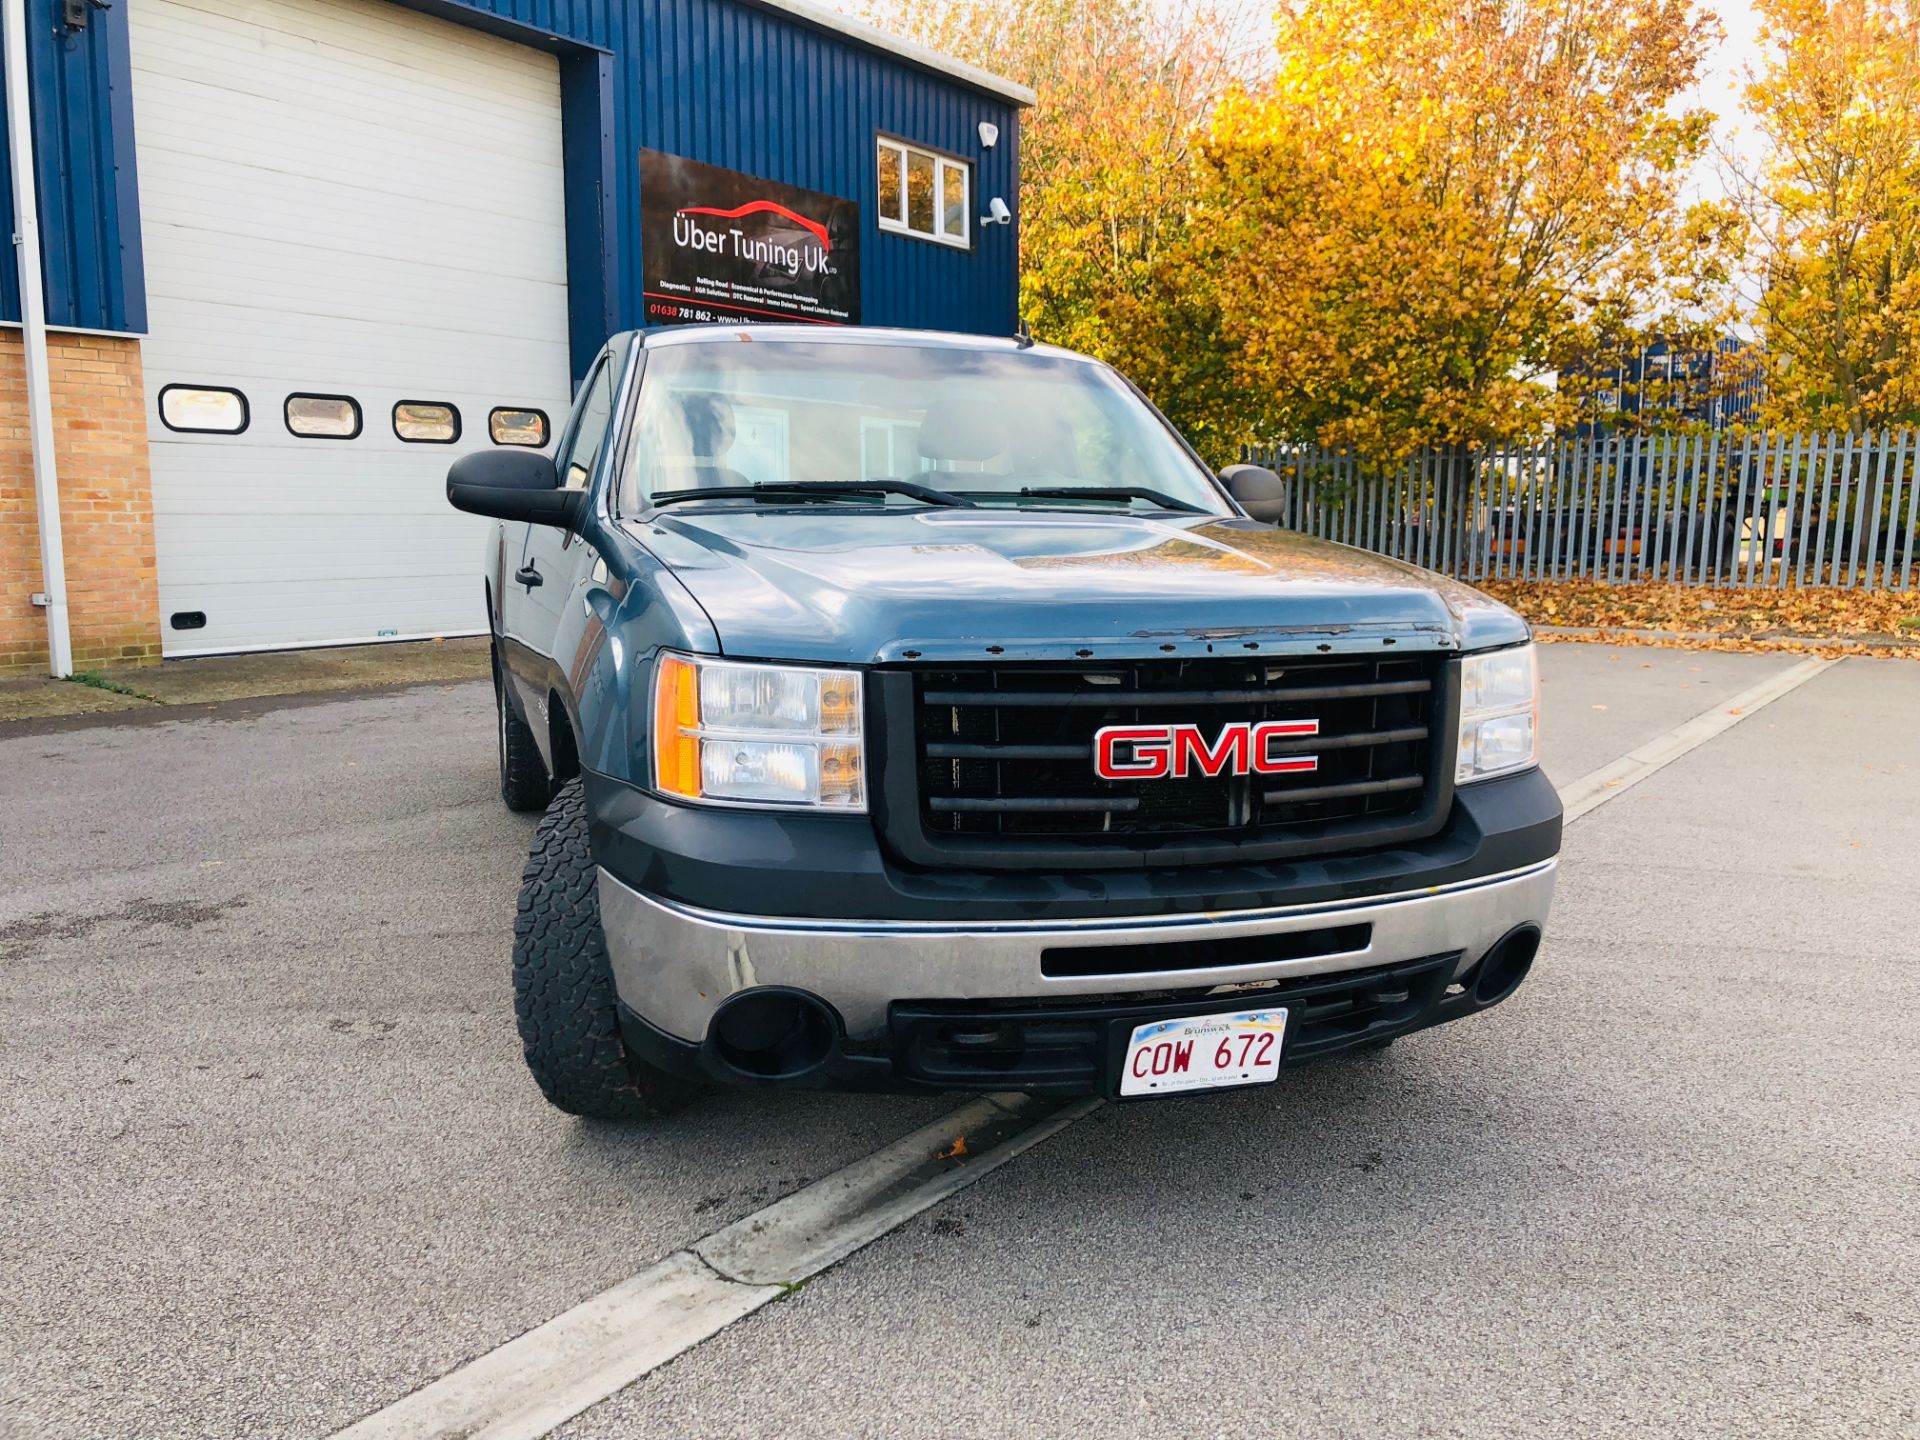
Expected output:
(1173, 752)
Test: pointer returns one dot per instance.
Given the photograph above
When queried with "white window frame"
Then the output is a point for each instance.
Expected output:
(898, 152)
(775, 419)
(898, 435)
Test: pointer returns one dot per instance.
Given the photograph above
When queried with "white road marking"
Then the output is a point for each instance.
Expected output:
(827, 1221)
(1593, 790)
(543, 1378)
(537, 1381)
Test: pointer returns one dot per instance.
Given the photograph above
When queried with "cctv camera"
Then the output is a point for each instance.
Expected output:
(997, 213)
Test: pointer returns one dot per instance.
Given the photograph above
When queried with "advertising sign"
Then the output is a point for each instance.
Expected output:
(717, 245)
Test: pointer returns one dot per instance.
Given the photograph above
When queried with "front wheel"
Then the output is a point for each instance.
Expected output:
(563, 995)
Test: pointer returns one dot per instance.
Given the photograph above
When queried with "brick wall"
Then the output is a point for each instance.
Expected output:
(106, 505)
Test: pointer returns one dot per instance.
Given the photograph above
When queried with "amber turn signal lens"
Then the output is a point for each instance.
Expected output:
(676, 716)
(840, 705)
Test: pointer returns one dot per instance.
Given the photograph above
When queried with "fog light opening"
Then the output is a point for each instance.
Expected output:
(773, 1033)
(1503, 967)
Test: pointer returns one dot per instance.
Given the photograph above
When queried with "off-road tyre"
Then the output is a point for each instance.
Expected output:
(563, 996)
(523, 774)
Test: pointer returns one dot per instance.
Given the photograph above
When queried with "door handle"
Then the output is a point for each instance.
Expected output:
(527, 576)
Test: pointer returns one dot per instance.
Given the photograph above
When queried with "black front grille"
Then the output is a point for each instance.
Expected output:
(1005, 754)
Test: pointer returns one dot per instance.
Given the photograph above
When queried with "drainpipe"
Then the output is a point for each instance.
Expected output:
(33, 333)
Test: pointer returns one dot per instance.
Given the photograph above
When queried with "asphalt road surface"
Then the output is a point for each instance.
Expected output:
(269, 1159)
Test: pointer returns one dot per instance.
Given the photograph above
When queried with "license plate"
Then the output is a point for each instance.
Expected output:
(1204, 1052)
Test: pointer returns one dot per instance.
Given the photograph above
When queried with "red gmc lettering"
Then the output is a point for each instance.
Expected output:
(1161, 752)
(1190, 752)
(1270, 730)
(1152, 747)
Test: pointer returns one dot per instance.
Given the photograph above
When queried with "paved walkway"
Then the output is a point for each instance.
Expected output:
(212, 678)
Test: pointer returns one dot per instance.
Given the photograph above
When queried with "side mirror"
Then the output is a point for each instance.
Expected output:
(1261, 493)
(513, 485)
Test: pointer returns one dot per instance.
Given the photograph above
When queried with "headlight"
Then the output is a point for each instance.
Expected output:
(774, 735)
(1499, 714)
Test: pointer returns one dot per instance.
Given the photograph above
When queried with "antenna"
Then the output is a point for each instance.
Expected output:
(1024, 334)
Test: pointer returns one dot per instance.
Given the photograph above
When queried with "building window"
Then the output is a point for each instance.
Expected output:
(203, 409)
(888, 450)
(510, 426)
(426, 422)
(323, 417)
(925, 194)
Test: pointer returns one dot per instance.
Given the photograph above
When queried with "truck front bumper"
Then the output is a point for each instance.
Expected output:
(1045, 1005)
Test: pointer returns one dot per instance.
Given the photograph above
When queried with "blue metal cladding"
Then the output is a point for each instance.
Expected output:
(84, 172)
(752, 90)
(728, 82)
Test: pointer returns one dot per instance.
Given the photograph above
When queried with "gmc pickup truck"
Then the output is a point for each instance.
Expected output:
(916, 711)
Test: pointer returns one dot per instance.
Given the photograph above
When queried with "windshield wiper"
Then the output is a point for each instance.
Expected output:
(1113, 492)
(812, 490)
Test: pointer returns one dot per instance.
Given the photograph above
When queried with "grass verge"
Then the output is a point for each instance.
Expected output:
(94, 680)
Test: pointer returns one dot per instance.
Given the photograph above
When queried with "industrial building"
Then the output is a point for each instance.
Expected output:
(295, 255)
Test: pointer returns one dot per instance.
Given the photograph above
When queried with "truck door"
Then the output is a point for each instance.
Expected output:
(553, 558)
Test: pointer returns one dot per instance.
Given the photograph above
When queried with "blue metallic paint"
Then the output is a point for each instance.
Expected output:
(852, 588)
(723, 81)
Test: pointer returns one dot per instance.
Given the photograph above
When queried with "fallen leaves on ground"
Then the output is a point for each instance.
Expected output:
(1825, 621)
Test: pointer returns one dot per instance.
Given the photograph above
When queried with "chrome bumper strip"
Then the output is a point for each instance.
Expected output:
(673, 964)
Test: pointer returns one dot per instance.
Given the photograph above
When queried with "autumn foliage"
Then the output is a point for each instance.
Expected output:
(1395, 225)
(1107, 173)
(1724, 619)
(1828, 223)
(1430, 207)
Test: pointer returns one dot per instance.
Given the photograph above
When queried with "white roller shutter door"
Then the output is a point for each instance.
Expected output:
(339, 198)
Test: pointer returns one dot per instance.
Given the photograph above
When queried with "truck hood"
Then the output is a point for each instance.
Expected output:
(860, 587)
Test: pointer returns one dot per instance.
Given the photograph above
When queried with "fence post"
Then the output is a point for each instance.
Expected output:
(1821, 446)
(1745, 462)
(1791, 540)
(1659, 479)
(1866, 516)
(1913, 508)
(1700, 475)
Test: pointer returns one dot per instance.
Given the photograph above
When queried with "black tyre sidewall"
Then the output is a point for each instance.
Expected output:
(563, 993)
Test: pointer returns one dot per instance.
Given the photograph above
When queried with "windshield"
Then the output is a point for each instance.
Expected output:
(977, 426)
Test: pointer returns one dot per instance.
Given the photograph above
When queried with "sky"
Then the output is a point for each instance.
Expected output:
(1718, 90)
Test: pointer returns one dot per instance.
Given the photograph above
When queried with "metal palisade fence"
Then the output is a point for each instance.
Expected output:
(1827, 508)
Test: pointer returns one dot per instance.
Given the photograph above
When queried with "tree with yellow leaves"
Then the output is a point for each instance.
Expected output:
(1833, 211)
(1106, 155)
(1431, 207)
